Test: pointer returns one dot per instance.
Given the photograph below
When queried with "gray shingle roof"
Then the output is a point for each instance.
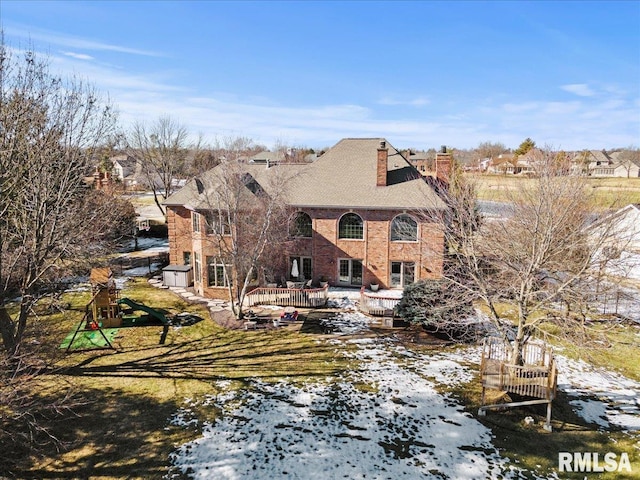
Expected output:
(267, 155)
(344, 177)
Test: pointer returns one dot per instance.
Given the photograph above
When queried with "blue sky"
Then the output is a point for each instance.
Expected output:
(421, 74)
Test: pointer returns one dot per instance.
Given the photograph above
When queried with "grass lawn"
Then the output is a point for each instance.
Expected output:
(607, 192)
(128, 395)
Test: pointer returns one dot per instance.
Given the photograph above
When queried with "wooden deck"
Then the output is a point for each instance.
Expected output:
(377, 305)
(536, 378)
(288, 297)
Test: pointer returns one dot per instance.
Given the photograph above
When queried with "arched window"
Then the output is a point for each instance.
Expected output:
(404, 229)
(300, 225)
(351, 226)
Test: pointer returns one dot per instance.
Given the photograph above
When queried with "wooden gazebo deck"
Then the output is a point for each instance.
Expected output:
(535, 378)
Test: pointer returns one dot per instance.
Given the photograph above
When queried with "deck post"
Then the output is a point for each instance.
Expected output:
(547, 425)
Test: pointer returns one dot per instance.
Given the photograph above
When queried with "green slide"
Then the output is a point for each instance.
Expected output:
(143, 308)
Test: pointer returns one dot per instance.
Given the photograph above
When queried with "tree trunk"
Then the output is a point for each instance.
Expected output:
(159, 204)
(7, 329)
(518, 343)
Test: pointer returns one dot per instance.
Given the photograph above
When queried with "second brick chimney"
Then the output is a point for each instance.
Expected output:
(383, 157)
(443, 165)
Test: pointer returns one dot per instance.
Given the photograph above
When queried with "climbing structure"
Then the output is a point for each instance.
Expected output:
(104, 304)
(107, 310)
(103, 310)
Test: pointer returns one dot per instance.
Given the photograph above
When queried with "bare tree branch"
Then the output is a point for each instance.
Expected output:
(541, 263)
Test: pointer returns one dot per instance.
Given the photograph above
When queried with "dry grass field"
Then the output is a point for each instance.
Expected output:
(608, 193)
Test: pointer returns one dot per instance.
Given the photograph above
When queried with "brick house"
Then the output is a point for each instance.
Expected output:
(354, 220)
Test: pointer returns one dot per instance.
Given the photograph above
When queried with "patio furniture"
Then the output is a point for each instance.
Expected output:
(289, 314)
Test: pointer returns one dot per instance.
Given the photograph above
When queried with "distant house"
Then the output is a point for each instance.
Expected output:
(125, 168)
(353, 211)
(484, 164)
(291, 155)
(424, 162)
(267, 157)
(629, 167)
(122, 169)
(503, 163)
(599, 163)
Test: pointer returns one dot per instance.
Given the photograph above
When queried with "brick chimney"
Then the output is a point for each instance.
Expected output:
(383, 157)
(443, 165)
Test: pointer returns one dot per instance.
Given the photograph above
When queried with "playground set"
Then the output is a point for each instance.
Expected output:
(107, 310)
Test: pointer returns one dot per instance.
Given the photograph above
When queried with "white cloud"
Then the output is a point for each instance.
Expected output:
(79, 56)
(607, 120)
(580, 89)
(567, 125)
(54, 38)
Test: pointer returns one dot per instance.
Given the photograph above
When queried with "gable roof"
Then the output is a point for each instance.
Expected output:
(344, 177)
(125, 161)
(265, 155)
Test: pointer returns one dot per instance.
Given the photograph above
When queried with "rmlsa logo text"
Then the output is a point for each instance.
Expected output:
(591, 462)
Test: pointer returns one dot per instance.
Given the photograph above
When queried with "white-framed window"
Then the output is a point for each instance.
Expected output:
(404, 229)
(195, 222)
(350, 271)
(351, 226)
(304, 266)
(217, 223)
(197, 267)
(216, 273)
(402, 274)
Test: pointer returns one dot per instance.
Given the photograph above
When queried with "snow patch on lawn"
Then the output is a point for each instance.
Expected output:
(612, 399)
(141, 271)
(396, 425)
(148, 244)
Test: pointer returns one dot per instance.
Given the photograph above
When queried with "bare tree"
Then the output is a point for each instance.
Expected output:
(290, 153)
(50, 224)
(246, 215)
(490, 149)
(50, 127)
(162, 150)
(541, 262)
(207, 156)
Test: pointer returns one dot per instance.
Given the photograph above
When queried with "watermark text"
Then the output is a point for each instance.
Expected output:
(593, 462)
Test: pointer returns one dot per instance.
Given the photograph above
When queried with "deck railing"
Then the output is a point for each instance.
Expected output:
(288, 297)
(537, 376)
(376, 305)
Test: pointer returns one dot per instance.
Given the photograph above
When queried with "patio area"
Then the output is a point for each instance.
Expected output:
(381, 303)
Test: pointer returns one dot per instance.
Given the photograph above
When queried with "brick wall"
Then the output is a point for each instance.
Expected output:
(376, 250)
(180, 239)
